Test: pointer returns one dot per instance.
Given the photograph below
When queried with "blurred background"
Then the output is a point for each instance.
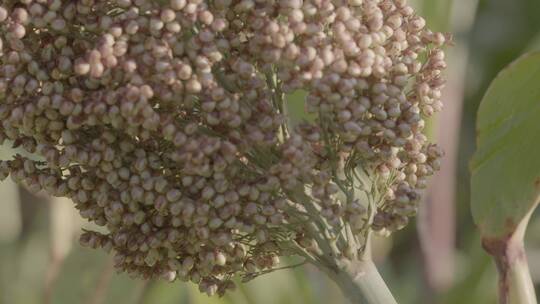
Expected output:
(438, 259)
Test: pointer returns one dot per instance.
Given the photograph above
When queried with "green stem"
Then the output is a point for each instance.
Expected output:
(521, 286)
(515, 283)
(361, 283)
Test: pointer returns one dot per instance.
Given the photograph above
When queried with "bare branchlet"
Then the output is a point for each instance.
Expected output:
(166, 123)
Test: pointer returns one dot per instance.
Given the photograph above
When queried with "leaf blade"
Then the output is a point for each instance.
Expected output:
(505, 180)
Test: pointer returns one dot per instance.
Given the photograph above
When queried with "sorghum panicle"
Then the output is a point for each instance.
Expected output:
(166, 123)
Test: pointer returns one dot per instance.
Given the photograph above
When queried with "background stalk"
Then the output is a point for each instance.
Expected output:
(515, 283)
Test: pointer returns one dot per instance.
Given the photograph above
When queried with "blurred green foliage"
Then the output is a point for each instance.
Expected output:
(34, 268)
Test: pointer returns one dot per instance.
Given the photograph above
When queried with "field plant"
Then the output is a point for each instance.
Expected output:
(166, 123)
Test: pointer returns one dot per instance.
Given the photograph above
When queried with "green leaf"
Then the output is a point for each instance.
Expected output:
(506, 167)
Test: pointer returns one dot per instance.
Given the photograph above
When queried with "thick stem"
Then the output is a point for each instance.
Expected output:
(521, 286)
(515, 283)
(361, 283)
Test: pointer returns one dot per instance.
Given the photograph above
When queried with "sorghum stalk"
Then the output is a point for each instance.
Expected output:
(359, 279)
(520, 286)
(361, 283)
(165, 122)
(515, 282)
